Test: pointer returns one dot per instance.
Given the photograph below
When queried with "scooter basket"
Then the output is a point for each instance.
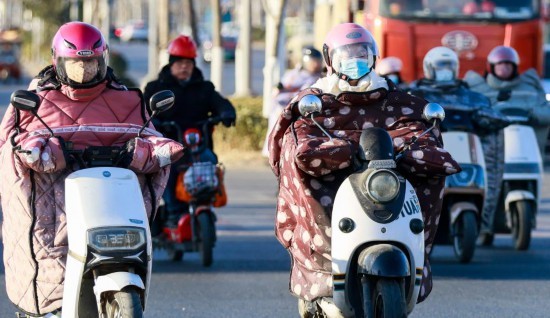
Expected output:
(201, 178)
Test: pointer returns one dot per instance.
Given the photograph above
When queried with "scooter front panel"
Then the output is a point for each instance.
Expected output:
(366, 232)
(522, 158)
(103, 197)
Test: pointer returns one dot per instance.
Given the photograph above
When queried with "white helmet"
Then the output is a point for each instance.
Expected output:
(441, 64)
(389, 65)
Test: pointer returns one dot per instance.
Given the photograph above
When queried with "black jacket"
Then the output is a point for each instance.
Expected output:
(195, 101)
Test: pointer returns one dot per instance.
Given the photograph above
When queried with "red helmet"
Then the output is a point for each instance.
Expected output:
(183, 46)
(79, 54)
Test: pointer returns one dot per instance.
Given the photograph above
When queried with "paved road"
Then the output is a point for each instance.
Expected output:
(249, 276)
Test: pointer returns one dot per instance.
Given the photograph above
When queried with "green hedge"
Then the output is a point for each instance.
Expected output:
(249, 131)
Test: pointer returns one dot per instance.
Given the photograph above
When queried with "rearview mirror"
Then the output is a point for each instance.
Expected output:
(310, 104)
(433, 111)
(25, 100)
(161, 101)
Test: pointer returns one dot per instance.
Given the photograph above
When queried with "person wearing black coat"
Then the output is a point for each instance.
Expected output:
(196, 100)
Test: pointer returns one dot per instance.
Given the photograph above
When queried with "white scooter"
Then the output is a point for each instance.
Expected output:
(108, 268)
(464, 191)
(377, 230)
(522, 179)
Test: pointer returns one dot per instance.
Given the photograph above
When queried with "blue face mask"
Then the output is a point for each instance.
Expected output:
(444, 75)
(355, 68)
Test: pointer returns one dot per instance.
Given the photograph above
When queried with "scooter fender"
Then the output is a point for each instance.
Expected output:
(384, 260)
(459, 207)
(115, 282)
(518, 195)
(514, 196)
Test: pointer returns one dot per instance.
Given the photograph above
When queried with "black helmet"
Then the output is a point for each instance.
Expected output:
(312, 60)
(312, 52)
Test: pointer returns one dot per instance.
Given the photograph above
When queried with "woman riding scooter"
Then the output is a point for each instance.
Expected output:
(84, 106)
(504, 86)
(310, 168)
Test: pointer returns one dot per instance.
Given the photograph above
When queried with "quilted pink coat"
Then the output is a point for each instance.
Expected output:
(310, 169)
(32, 187)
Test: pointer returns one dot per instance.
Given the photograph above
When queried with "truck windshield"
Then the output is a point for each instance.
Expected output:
(497, 10)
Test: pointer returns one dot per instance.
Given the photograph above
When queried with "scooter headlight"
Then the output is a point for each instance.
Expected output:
(116, 238)
(382, 186)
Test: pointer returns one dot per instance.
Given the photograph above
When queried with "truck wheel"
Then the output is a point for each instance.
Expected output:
(388, 299)
(124, 304)
(521, 224)
(206, 245)
(465, 234)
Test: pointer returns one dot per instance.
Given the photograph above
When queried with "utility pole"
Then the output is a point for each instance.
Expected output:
(272, 70)
(75, 10)
(153, 64)
(243, 54)
(193, 22)
(216, 65)
(88, 11)
(163, 30)
(105, 18)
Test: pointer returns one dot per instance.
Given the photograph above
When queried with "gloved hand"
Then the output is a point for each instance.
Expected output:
(228, 120)
(490, 120)
(41, 153)
(126, 156)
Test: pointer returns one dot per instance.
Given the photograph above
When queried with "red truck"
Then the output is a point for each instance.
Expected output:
(409, 28)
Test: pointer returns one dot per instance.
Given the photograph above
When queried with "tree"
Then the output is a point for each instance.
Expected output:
(51, 14)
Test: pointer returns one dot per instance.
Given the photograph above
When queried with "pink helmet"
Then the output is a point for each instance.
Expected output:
(348, 40)
(470, 8)
(488, 6)
(502, 54)
(389, 65)
(79, 54)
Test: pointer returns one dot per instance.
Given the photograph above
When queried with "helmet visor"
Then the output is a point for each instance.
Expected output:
(445, 64)
(361, 50)
(81, 71)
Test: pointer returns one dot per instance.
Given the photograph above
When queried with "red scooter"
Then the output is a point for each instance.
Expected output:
(200, 186)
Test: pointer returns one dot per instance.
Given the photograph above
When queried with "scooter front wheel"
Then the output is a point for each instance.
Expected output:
(206, 225)
(388, 299)
(124, 304)
(522, 212)
(464, 236)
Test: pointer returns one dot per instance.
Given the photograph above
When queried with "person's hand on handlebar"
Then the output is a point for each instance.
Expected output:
(127, 154)
(42, 153)
(228, 119)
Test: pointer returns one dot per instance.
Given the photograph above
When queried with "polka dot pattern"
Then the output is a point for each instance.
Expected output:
(311, 168)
